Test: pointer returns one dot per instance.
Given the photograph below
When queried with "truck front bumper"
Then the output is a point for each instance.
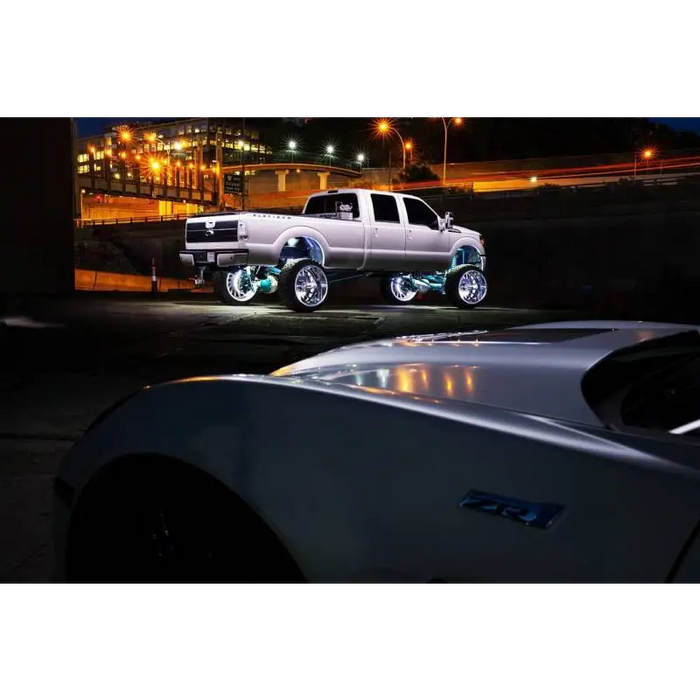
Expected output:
(213, 258)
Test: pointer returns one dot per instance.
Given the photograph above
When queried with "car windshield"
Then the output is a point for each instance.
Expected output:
(667, 400)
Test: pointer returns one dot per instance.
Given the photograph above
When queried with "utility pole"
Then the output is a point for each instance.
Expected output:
(243, 166)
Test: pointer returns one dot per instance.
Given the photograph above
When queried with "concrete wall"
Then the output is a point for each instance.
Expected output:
(37, 231)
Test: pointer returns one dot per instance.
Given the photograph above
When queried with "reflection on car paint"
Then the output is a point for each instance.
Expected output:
(434, 381)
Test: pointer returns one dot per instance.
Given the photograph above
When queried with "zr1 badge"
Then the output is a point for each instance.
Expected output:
(539, 515)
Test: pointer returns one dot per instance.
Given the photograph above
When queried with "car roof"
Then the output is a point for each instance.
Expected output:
(535, 369)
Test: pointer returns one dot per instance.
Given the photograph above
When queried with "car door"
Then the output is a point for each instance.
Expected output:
(427, 248)
(388, 234)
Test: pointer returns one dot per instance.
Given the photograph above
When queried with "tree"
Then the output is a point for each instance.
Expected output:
(417, 173)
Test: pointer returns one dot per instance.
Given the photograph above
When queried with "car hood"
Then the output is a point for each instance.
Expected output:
(537, 370)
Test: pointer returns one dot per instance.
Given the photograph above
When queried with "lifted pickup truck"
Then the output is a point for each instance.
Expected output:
(342, 234)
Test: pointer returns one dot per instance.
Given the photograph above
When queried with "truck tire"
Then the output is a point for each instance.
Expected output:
(395, 291)
(303, 285)
(228, 288)
(465, 286)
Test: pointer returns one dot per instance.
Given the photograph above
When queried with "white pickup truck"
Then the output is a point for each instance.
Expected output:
(341, 234)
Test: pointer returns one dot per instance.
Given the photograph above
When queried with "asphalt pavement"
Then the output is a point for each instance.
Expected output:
(62, 362)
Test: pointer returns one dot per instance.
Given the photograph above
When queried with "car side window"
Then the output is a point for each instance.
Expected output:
(385, 208)
(419, 213)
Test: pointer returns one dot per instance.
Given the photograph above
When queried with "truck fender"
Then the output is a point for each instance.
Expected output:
(302, 232)
(465, 241)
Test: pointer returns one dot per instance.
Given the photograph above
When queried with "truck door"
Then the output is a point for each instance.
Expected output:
(427, 248)
(387, 234)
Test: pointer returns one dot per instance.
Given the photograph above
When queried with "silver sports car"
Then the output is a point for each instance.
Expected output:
(562, 452)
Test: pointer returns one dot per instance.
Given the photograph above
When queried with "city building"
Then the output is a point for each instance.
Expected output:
(182, 158)
(154, 152)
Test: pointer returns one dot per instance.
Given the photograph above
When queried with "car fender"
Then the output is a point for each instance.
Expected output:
(348, 509)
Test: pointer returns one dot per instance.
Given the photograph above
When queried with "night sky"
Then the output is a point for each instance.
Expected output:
(92, 126)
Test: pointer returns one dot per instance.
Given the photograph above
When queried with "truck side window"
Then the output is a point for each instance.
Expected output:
(385, 208)
(419, 213)
(329, 205)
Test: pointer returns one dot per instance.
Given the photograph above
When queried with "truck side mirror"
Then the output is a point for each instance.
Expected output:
(449, 219)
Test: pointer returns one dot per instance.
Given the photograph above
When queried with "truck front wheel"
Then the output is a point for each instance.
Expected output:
(303, 285)
(235, 287)
(465, 286)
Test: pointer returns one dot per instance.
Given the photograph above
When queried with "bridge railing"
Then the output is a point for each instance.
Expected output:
(305, 158)
(91, 223)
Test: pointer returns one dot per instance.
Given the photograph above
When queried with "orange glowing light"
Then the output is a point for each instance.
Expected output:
(458, 120)
(125, 136)
(137, 156)
(191, 166)
(155, 166)
(202, 167)
(151, 138)
(108, 153)
(648, 153)
(92, 149)
(409, 145)
(122, 155)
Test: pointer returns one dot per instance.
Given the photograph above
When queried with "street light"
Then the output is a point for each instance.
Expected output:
(386, 128)
(647, 154)
(292, 147)
(409, 148)
(360, 158)
(457, 120)
(330, 150)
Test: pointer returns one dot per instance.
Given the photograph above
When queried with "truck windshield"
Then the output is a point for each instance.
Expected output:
(342, 205)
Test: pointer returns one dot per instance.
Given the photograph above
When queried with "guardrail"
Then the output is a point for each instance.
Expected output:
(97, 281)
(90, 223)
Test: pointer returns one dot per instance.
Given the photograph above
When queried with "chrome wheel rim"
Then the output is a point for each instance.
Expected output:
(402, 288)
(472, 287)
(311, 286)
(240, 285)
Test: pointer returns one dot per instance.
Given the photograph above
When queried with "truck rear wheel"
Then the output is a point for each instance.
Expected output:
(303, 285)
(398, 289)
(234, 287)
(465, 286)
